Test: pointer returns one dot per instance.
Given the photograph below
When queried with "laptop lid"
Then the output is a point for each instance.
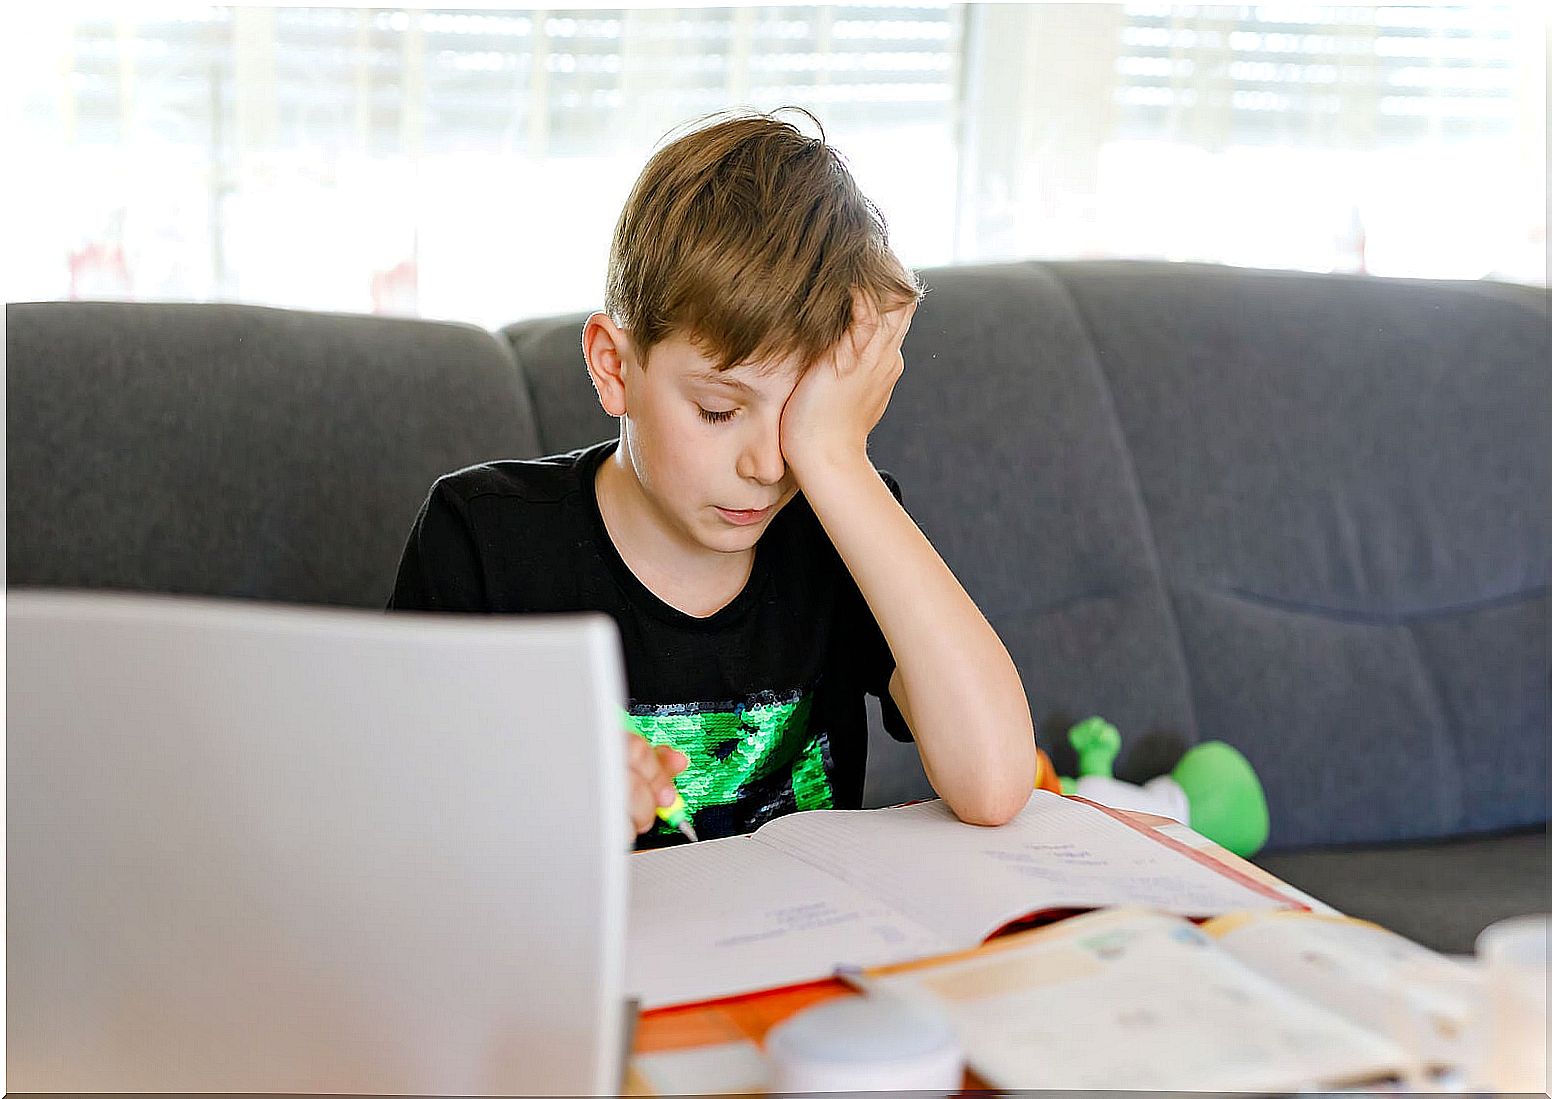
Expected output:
(267, 848)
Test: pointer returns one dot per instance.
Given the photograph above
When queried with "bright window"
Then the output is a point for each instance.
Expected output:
(469, 164)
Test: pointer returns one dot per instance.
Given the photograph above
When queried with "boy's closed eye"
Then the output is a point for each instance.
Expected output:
(716, 416)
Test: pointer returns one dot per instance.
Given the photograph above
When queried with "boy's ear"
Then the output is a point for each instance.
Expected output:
(609, 355)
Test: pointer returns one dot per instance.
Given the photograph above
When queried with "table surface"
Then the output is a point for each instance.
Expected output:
(713, 1046)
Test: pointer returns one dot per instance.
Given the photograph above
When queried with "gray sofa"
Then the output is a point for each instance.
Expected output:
(1310, 515)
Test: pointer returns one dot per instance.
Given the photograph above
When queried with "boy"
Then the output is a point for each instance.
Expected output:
(763, 575)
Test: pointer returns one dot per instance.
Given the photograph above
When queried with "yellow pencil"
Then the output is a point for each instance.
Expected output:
(677, 816)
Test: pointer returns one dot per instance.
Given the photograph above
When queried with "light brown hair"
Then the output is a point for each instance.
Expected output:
(746, 236)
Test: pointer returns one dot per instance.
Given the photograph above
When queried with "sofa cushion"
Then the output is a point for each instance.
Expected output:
(239, 451)
(1346, 479)
(1439, 894)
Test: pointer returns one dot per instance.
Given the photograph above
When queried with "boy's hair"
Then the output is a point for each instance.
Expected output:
(746, 237)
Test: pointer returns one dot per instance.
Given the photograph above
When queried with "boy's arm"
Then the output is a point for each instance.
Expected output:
(954, 682)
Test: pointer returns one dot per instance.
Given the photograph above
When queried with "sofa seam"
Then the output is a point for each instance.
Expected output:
(1380, 618)
(1150, 539)
(510, 346)
(1060, 606)
(1446, 727)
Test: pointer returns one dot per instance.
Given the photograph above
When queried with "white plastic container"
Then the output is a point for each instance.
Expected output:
(865, 1043)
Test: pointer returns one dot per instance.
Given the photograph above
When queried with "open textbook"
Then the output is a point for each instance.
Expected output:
(811, 891)
(1253, 1001)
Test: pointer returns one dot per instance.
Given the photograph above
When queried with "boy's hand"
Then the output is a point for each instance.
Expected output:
(842, 396)
(651, 772)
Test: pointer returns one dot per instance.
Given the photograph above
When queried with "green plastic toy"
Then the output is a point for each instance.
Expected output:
(1213, 788)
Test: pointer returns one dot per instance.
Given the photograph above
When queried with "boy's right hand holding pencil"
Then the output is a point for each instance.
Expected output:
(650, 771)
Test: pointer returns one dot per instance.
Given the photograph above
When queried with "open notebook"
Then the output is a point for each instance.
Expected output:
(810, 891)
(1263, 1001)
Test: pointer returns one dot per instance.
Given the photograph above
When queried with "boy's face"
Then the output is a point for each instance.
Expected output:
(705, 445)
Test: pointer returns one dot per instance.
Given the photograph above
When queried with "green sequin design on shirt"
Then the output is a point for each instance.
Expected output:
(733, 747)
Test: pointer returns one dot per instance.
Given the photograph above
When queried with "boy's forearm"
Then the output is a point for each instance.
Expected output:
(966, 704)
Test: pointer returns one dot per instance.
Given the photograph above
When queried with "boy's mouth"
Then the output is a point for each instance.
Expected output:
(743, 518)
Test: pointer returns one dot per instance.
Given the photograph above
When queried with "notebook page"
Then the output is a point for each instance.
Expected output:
(729, 916)
(1182, 834)
(1157, 1005)
(1352, 967)
(965, 881)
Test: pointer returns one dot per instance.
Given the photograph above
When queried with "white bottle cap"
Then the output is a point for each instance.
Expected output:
(865, 1043)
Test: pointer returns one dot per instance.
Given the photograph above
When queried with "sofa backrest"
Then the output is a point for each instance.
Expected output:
(239, 451)
(1308, 515)
(1305, 514)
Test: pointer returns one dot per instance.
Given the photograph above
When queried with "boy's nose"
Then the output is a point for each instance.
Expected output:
(762, 460)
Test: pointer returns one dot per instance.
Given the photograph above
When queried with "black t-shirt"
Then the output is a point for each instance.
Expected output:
(765, 696)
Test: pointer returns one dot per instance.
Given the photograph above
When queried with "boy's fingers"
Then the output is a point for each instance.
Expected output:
(647, 771)
(638, 755)
(658, 778)
(643, 810)
(892, 327)
(900, 323)
(863, 310)
(672, 759)
(660, 786)
(651, 769)
(872, 330)
(865, 323)
(646, 775)
(645, 756)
